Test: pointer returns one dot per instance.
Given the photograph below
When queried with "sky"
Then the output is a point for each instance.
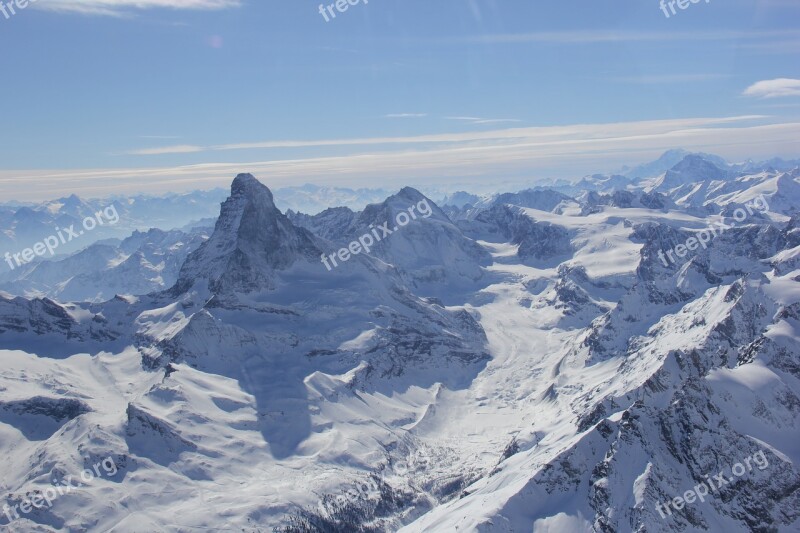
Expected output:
(128, 96)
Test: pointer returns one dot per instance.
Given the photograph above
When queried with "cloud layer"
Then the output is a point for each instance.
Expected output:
(539, 137)
(472, 160)
(121, 7)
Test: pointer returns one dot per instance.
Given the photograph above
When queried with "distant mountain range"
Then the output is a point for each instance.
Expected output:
(23, 225)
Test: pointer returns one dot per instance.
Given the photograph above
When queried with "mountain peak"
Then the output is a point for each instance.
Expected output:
(694, 168)
(251, 240)
(248, 185)
(72, 198)
(669, 160)
(410, 193)
(700, 168)
(694, 159)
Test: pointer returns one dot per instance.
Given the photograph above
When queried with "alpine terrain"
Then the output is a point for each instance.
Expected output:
(579, 357)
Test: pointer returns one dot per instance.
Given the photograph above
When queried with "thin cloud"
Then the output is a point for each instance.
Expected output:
(622, 36)
(774, 47)
(478, 120)
(495, 120)
(778, 106)
(405, 115)
(508, 135)
(655, 79)
(777, 88)
(123, 7)
(180, 149)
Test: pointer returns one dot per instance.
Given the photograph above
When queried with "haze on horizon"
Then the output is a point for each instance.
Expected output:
(122, 97)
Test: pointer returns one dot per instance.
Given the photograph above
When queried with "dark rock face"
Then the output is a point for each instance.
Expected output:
(538, 241)
(40, 417)
(330, 224)
(251, 240)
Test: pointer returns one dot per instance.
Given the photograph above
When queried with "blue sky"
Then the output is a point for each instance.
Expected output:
(110, 96)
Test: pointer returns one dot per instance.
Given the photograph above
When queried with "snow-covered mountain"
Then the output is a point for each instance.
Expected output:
(691, 169)
(533, 361)
(432, 255)
(23, 225)
(144, 262)
(314, 199)
(700, 185)
(668, 160)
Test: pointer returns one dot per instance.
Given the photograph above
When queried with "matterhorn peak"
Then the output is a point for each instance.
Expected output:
(247, 185)
(251, 240)
(410, 193)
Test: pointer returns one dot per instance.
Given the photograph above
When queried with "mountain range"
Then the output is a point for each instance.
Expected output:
(521, 361)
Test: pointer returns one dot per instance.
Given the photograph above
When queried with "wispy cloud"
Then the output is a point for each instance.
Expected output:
(405, 115)
(478, 120)
(123, 7)
(771, 47)
(654, 79)
(622, 36)
(778, 106)
(550, 134)
(777, 88)
(179, 149)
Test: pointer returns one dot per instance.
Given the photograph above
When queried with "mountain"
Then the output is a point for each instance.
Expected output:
(690, 170)
(602, 183)
(617, 360)
(252, 240)
(308, 355)
(21, 226)
(431, 254)
(668, 160)
(329, 224)
(314, 199)
(776, 163)
(682, 373)
(541, 198)
(591, 200)
(460, 199)
(144, 262)
(779, 189)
